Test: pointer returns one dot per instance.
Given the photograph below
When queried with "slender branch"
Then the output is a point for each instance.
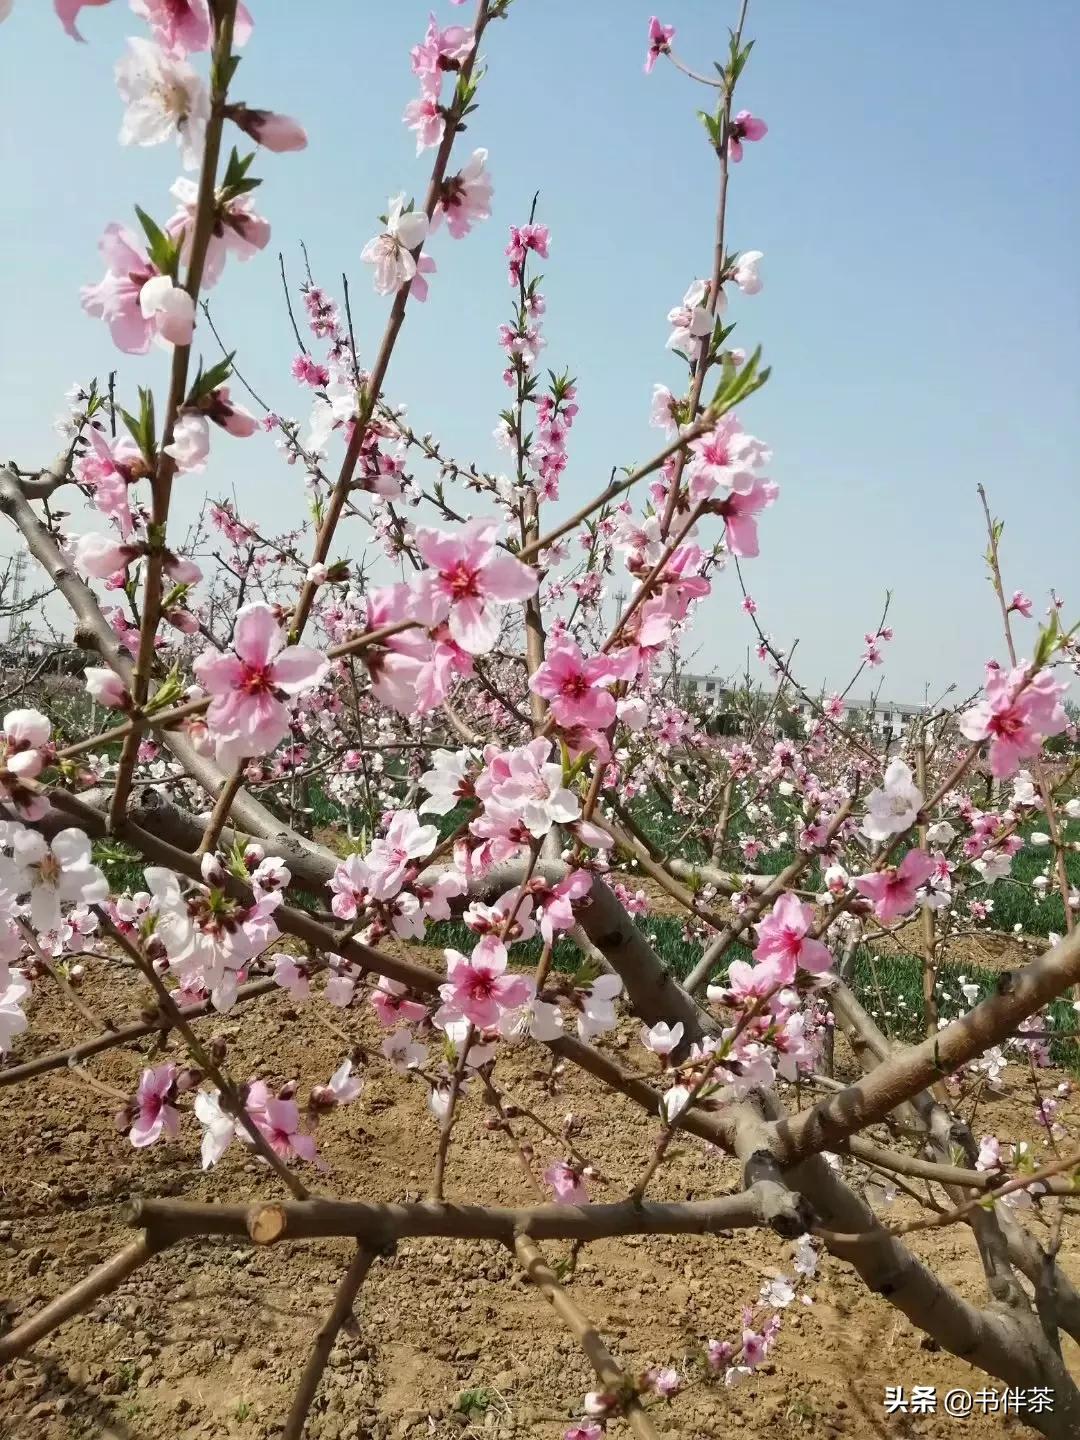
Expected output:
(372, 388)
(608, 1370)
(613, 491)
(123, 1035)
(220, 814)
(1061, 871)
(702, 364)
(101, 1281)
(231, 1099)
(1066, 1163)
(347, 1292)
(61, 981)
(161, 484)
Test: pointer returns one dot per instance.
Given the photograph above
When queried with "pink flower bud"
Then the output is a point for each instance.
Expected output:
(100, 557)
(107, 689)
(233, 418)
(276, 132)
(182, 620)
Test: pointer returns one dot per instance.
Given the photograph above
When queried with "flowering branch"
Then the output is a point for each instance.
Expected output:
(161, 489)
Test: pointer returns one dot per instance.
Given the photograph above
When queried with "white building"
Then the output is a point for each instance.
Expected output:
(709, 690)
(713, 693)
(884, 715)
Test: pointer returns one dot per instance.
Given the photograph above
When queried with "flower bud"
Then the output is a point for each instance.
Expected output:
(274, 132)
(212, 870)
(107, 689)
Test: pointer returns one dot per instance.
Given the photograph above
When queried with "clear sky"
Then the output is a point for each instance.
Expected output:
(916, 199)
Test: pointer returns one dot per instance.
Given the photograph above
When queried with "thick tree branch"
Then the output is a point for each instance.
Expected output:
(379, 1225)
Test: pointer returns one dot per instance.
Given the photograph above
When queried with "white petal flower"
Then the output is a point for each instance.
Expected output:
(171, 308)
(164, 98)
(893, 808)
(218, 1128)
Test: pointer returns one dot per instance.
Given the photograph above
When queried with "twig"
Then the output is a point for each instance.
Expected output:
(608, 1370)
(99, 1282)
(161, 484)
(347, 1291)
(448, 1118)
(230, 1096)
(123, 1035)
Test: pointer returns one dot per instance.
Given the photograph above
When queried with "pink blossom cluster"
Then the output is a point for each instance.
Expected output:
(439, 54)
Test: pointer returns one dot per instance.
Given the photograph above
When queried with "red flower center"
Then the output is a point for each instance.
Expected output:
(256, 679)
(1005, 725)
(481, 984)
(462, 582)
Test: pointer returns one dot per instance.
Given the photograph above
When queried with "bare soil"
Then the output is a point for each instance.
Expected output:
(208, 1340)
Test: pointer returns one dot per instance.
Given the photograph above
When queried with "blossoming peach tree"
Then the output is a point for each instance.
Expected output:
(497, 754)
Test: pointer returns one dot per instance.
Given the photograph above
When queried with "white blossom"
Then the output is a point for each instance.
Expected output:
(164, 98)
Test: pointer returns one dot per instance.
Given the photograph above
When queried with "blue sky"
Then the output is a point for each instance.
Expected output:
(915, 199)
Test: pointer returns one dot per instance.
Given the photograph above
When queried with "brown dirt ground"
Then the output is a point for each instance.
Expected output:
(208, 1339)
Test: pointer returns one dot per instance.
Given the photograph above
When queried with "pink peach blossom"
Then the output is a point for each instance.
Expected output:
(68, 12)
(442, 50)
(467, 576)
(567, 1184)
(184, 26)
(239, 231)
(660, 38)
(223, 410)
(425, 116)
(783, 934)
(740, 511)
(109, 467)
(465, 197)
(392, 1005)
(405, 842)
(250, 684)
(574, 686)
(155, 1117)
(1016, 716)
(107, 689)
(524, 238)
(115, 299)
(101, 557)
(278, 1122)
(478, 987)
(744, 126)
(893, 890)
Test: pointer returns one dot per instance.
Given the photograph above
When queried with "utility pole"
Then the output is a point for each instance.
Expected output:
(18, 582)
